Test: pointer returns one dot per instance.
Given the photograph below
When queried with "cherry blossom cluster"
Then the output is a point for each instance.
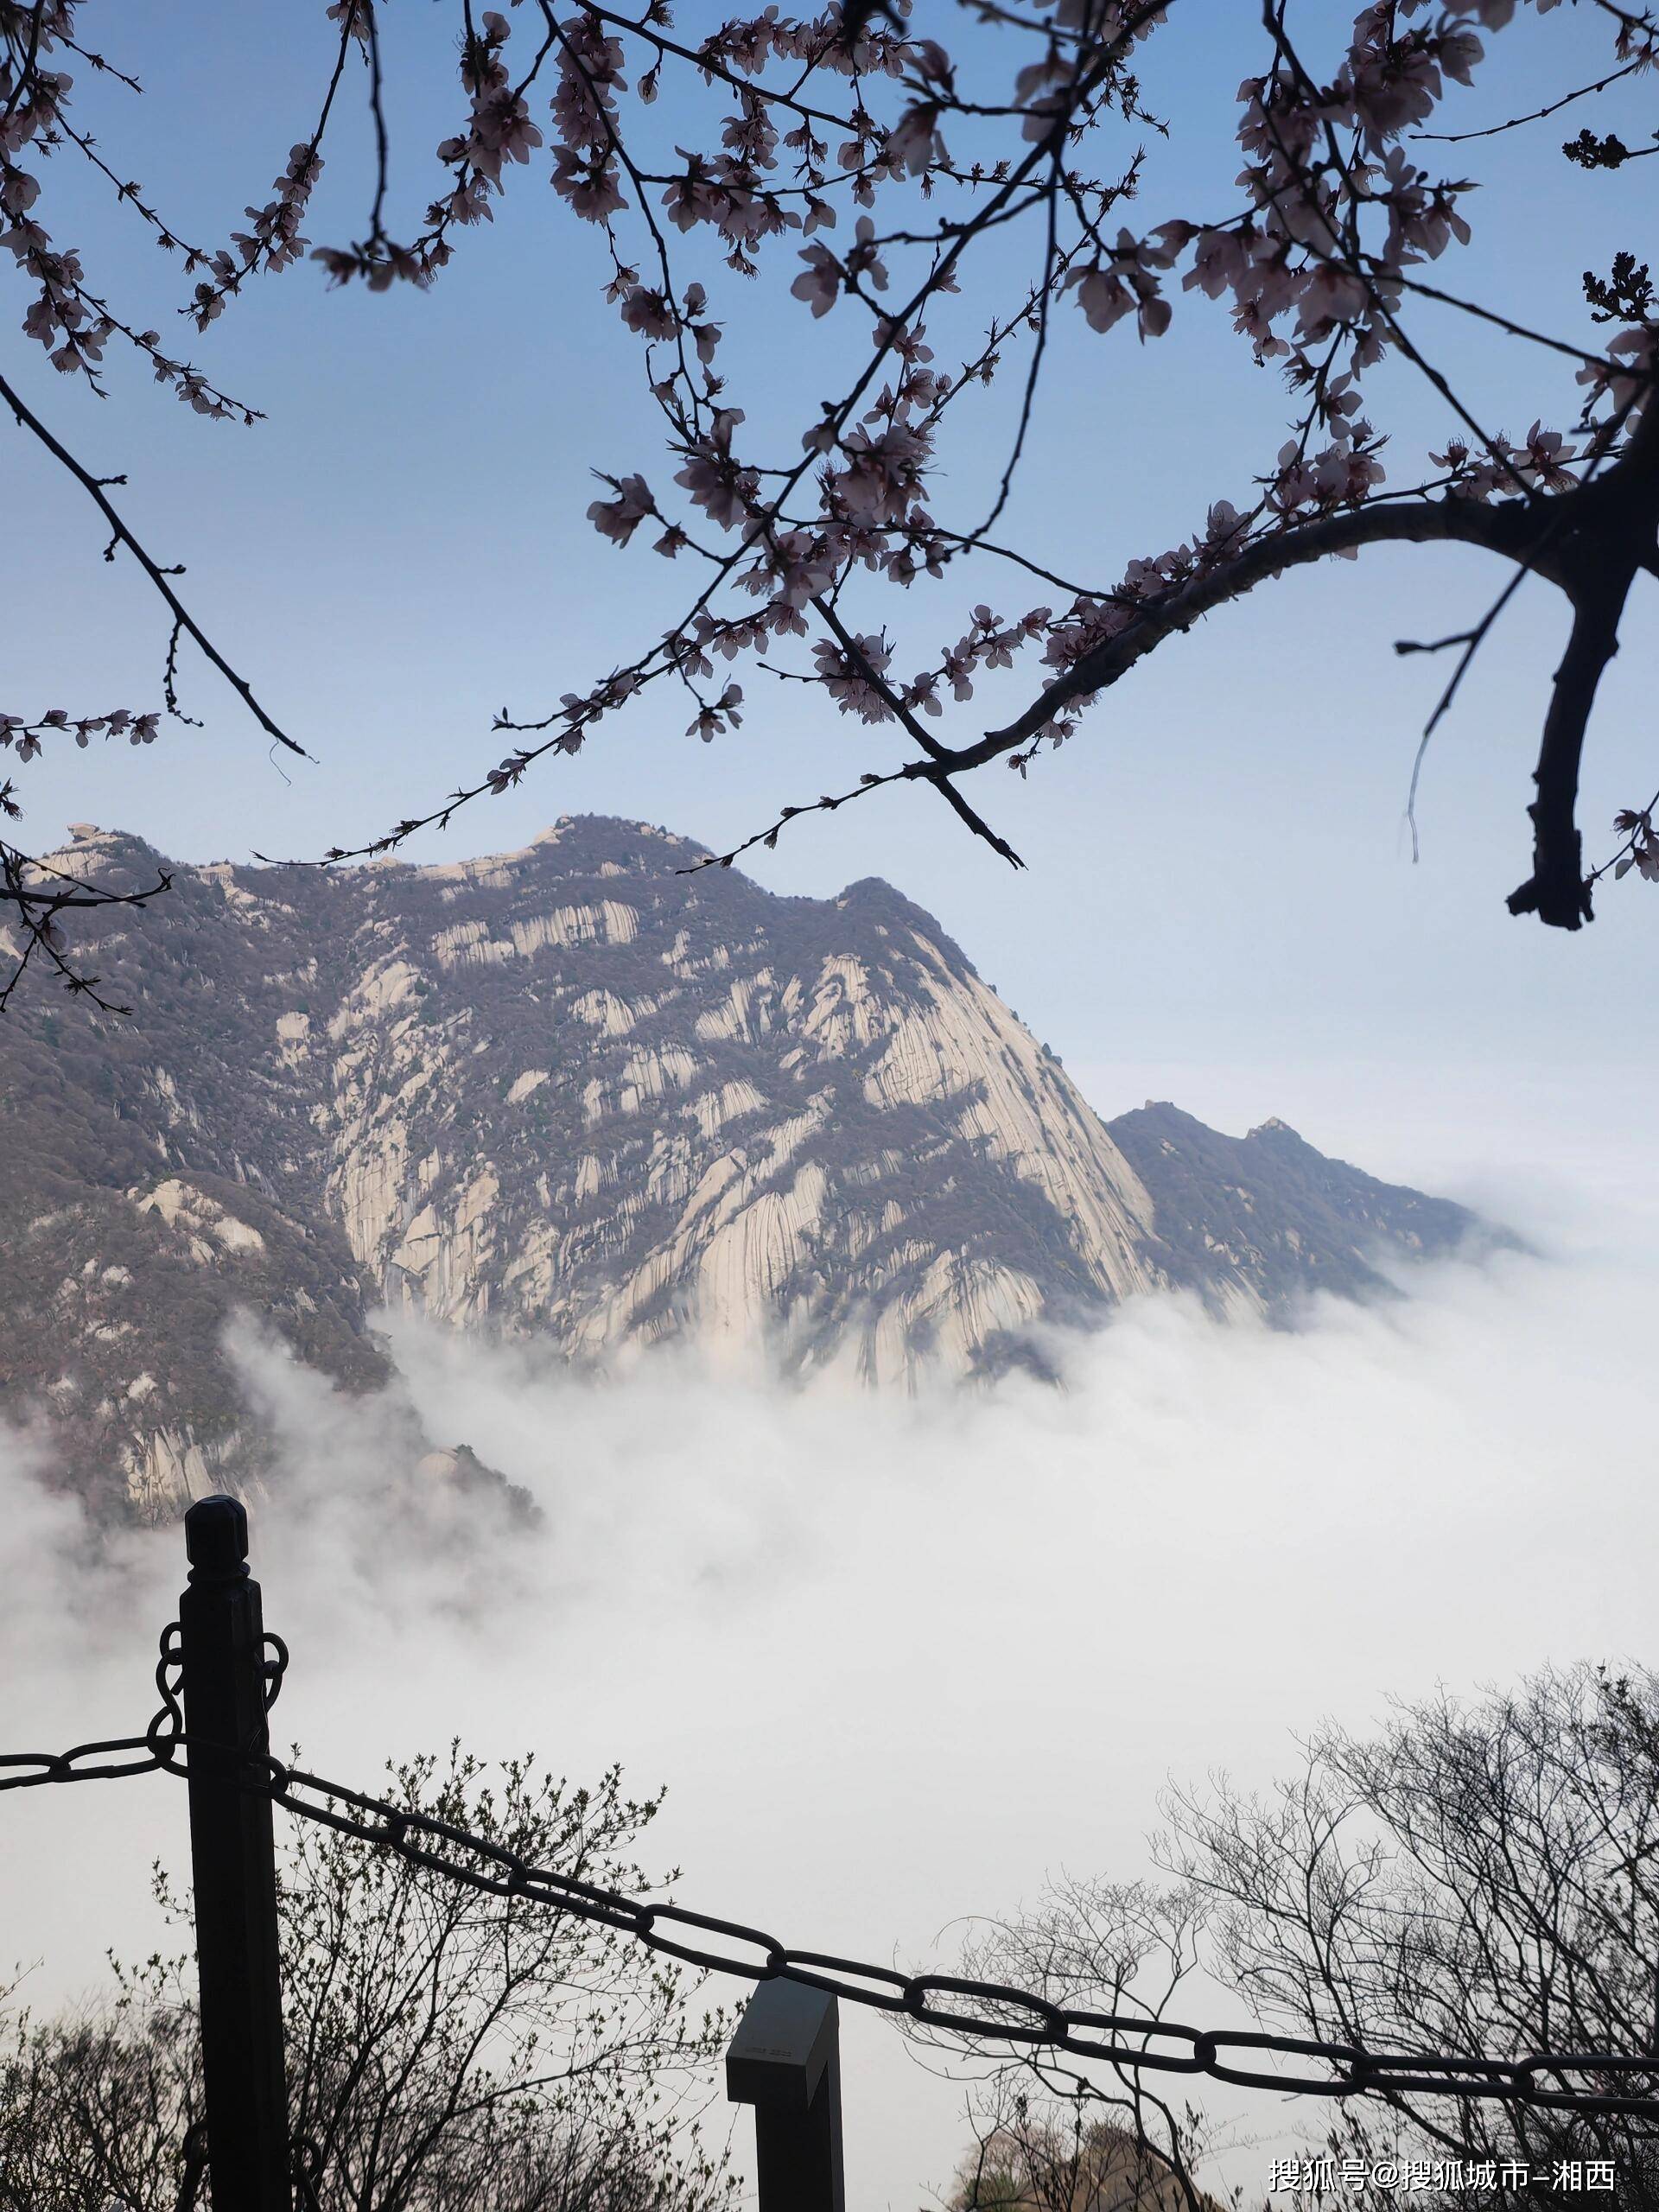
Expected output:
(1321, 163)
(1543, 461)
(28, 737)
(71, 321)
(868, 168)
(1641, 850)
(272, 240)
(1316, 268)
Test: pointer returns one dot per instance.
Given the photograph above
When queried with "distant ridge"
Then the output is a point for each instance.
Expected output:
(1268, 1214)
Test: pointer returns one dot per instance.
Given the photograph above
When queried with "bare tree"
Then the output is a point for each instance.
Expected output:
(1038, 2157)
(95, 2104)
(1048, 2136)
(1031, 2161)
(881, 166)
(1477, 1879)
(447, 2049)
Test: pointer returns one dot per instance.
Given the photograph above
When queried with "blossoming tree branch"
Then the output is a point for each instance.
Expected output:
(867, 173)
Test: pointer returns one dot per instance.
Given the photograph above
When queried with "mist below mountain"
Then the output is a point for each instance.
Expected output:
(593, 1097)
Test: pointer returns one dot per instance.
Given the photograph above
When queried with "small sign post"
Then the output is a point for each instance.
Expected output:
(785, 2061)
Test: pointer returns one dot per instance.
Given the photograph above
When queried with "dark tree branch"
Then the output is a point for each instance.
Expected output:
(1472, 642)
(158, 575)
(1534, 534)
(1516, 122)
(1601, 564)
(1511, 530)
(930, 744)
(37, 893)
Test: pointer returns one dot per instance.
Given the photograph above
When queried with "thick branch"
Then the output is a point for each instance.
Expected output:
(1556, 890)
(1512, 530)
(1601, 562)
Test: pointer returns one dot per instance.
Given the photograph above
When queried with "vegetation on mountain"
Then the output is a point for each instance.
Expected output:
(578, 1095)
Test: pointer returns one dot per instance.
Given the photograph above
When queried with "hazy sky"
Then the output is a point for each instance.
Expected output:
(1220, 907)
(1218, 870)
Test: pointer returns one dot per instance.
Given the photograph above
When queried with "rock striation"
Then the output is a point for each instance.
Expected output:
(578, 1093)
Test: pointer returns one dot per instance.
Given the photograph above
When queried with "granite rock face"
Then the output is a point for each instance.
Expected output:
(577, 1093)
(1264, 1219)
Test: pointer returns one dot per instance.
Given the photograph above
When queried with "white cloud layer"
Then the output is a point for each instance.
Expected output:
(896, 1659)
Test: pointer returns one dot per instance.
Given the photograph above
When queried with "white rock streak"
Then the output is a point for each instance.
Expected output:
(797, 1139)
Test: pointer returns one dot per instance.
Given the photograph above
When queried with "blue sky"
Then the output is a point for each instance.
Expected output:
(1220, 907)
(1218, 873)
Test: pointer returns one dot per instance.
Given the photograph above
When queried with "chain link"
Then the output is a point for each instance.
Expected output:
(97, 1762)
(1130, 2041)
(274, 1668)
(1539, 2078)
(307, 2173)
(195, 2168)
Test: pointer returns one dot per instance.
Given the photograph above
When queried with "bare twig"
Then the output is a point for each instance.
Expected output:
(183, 619)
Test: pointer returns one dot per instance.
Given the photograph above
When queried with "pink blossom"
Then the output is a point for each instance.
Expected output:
(819, 283)
(620, 517)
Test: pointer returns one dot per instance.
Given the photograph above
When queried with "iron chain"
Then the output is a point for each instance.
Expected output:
(1543, 2079)
(1538, 2079)
(306, 2167)
(308, 2174)
(97, 1762)
(195, 2167)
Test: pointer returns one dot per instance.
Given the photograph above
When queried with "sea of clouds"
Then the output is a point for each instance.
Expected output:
(896, 1658)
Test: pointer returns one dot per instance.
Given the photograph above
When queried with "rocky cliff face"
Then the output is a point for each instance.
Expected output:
(577, 1092)
(1262, 1219)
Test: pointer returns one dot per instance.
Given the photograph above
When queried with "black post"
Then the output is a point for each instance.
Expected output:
(785, 2061)
(234, 1866)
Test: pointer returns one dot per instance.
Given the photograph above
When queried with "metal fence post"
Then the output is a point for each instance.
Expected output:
(234, 1866)
(785, 2061)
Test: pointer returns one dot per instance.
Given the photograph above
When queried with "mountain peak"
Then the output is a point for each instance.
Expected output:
(1269, 1216)
(587, 1094)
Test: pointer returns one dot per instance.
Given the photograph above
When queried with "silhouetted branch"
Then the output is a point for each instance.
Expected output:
(37, 894)
(181, 615)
